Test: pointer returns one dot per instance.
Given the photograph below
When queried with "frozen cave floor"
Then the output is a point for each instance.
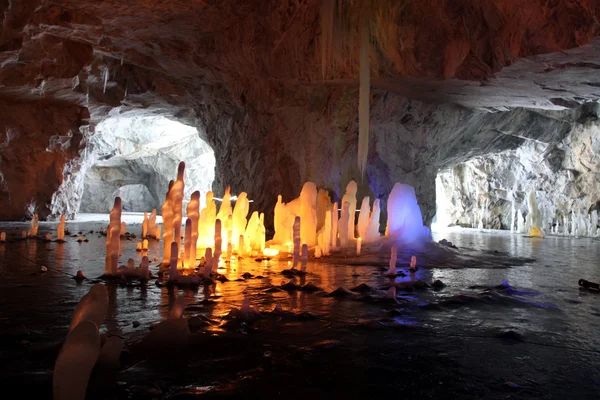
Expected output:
(509, 321)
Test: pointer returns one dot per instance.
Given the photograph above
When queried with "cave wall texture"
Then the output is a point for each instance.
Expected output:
(452, 80)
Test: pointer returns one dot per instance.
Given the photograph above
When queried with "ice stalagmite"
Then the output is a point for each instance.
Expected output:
(177, 204)
(113, 240)
(251, 231)
(173, 261)
(240, 213)
(144, 270)
(218, 240)
(145, 226)
(323, 205)
(206, 223)
(152, 228)
(327, 234)
(92, 307)
(304, 256)
(296, 234)
(334, 225)
(363, 99)
(193, 213)
(187, 244)
(60, 230)
(33, 229)
(350, 197)
(167, 215)
(343, 224)
(75, 362)
(405, 221)
(308, 213)
(363, 218)
(209, 262)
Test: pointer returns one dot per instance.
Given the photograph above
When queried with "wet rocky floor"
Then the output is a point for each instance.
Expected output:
(509, 322)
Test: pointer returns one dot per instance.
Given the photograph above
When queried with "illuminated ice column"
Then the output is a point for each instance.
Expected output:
(327, 234)
(209, 262)
(372, 232)
(363, 218)
(60, 229)
(33, 229)
(241, 250)
(296, 236)
(152, 225)
(145, 226)
(334, 226)
(167, 215)
(187, 244)
(304, 256)
(251, 231)
(177, 204)
(240, 213)
(145, 268)
(323, 205)
(229, 230)
(281, 222)
(218, 240)
(206, 223)
(261, 233)
(193, 213)
(123, 230)
(308, 213)
(225, 208)
(173, 261)
(343, 224)
(113, 240)
(405, 221)
(350, 197)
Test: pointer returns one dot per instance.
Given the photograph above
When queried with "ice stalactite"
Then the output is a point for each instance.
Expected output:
(363, 101)
(105, 78)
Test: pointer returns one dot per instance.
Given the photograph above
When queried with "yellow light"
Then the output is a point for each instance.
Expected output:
(269, 252)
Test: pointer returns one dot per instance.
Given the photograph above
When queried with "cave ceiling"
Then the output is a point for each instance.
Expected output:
(256, 51)
(272, 87)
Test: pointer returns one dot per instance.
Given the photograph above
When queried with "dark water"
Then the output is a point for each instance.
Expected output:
(499, 319)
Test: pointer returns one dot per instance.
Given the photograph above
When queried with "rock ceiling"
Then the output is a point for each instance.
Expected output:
(250, 73)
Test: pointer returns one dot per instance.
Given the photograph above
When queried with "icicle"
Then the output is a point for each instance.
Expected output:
(105, 78)
(363, 102)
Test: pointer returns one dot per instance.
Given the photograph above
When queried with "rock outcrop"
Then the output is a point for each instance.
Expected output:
(562, 168)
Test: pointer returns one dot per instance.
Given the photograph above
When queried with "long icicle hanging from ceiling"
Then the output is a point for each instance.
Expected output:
(363, 99)
(338, 33)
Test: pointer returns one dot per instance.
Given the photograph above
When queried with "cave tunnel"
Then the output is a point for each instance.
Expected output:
(134, 158)
(415, 189)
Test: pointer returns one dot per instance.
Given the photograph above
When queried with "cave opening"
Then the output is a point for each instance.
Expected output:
(135, 157)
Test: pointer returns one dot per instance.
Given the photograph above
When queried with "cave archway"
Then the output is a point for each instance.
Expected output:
(136, 157)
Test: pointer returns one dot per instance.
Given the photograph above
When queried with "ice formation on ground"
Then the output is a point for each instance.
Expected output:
(92, 307)
(75, 362)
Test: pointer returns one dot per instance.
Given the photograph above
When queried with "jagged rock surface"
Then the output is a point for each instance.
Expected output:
(135, 158)
(248, 75)
(563, 169)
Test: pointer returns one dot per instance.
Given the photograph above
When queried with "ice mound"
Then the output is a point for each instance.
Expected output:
(405, 221)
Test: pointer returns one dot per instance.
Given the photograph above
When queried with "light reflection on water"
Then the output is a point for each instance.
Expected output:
(561, 313)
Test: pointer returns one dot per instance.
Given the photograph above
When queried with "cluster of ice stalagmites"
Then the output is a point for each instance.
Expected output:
(311, 221)
(326, 229)
(226, 232)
